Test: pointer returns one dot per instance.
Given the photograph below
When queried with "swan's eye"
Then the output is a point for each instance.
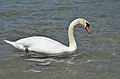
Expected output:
(87, 24)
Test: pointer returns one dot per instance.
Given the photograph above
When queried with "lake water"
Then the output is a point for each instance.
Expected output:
(97, 56)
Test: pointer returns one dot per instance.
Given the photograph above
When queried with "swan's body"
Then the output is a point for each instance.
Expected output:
(47, 45)
(39, 44)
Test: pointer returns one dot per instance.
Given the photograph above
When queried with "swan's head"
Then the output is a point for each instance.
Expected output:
(85, 23)
(81, 21)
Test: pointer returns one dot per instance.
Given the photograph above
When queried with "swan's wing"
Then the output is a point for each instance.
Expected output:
(42, 44)
(37, 40)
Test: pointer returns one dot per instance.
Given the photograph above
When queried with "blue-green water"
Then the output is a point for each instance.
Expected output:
(97, 56)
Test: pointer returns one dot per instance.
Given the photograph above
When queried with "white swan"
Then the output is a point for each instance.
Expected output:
(47, 45)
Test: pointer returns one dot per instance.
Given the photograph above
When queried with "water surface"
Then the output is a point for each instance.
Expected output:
(97, 56)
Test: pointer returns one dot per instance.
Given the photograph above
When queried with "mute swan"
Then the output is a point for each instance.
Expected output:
(50, 46)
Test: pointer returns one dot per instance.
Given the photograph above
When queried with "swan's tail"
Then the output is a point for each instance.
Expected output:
(11, 43)
(18, 46)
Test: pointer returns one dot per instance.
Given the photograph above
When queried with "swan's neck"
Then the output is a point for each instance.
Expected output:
(72, 42)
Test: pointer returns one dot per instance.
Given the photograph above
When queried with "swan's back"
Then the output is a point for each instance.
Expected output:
(42, 44)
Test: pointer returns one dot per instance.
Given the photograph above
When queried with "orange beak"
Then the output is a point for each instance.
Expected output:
(87, 29)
